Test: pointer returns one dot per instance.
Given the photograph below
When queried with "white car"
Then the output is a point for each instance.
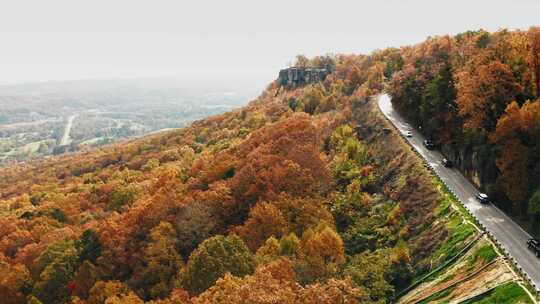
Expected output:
(408, 133)
(482, 198)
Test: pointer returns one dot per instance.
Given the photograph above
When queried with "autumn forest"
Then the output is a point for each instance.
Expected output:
(302, 196)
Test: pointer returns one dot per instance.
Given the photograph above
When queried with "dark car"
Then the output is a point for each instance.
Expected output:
(447, 163)
(429, 144)
(534, 244)
(482, 198)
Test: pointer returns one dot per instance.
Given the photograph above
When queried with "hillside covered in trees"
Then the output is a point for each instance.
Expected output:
(303, 196)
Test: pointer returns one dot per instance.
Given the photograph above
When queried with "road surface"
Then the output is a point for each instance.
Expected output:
(507, 233)
(67, 130)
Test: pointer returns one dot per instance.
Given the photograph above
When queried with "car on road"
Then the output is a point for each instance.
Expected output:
(408, 133)
(429, 144)
(534, 244)
(447, 163)
(482, 198)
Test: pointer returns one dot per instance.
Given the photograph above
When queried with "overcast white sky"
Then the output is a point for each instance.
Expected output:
(246, 40)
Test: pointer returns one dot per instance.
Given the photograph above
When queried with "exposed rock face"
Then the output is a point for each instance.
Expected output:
(300, 76)
(481, 170)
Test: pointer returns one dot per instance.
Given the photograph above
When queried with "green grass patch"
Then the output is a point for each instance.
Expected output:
(458, 232)
(485, 253)
(508, 293)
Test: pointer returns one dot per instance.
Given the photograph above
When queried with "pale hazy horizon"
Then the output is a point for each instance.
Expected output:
(244, 41)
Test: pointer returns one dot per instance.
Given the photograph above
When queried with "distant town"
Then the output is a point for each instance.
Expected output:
(50, 119)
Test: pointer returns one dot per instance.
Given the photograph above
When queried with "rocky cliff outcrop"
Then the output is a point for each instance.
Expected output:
(294, 76)
(473, 163)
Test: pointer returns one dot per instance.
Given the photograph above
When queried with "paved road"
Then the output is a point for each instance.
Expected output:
(509, 234)
(67, 130)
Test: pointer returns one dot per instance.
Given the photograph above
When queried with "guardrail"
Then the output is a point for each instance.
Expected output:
(502, 248)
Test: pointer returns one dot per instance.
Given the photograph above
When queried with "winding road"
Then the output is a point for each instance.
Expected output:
(509, 235)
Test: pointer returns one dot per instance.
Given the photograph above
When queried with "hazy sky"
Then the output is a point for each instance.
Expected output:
(245, 40)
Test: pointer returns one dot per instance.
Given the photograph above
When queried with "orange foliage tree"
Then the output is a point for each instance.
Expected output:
(484, 93)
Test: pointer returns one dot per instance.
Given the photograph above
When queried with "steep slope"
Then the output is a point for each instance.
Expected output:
(303, 196)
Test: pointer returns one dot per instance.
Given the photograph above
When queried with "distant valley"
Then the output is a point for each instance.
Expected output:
(43, 119)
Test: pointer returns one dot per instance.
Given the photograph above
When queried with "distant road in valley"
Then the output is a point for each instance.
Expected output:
(509, 234)
(67, 130)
